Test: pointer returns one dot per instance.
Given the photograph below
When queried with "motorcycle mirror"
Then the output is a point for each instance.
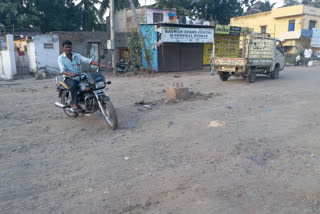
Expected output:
(102, 56)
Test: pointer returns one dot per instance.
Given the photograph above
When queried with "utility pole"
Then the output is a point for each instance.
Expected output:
(144, 46)
(113, 43)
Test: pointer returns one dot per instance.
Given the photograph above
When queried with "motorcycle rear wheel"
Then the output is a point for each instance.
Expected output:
(67, 101)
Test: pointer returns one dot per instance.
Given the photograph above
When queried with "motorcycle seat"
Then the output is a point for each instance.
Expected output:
(60, 81)
(63, 84)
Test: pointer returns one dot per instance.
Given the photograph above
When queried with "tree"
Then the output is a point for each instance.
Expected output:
(307, 2)
(91, 16)
(288, 3)
(20, 13)
(217, 10)
(67, 20)
(118, 5)
(57, 15)
(40, 14)
(183, 7)
(314, 3)
(266, 6)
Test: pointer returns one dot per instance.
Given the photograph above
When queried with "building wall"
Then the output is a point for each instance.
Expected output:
(126, 22)
(7, 60)
(46, 57)
(32, 56)
(150, 35)
(308, 18)
(165, 13)
(5, 67)
(311, 10)
(120, 21)
(277, 20)
(20, 43)
(131, 25)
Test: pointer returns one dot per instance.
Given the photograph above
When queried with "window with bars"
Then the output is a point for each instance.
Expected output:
(48, 46)
(157, 17)
(312, 24)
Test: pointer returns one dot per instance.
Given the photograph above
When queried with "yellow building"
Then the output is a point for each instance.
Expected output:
(292, 25)
(20, 44)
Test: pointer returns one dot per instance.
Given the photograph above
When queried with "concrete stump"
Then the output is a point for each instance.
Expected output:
(174, 93)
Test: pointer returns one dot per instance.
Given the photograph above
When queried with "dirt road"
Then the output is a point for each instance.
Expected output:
(263, 160)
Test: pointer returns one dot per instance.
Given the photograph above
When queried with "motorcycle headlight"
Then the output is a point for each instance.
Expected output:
(100, 85)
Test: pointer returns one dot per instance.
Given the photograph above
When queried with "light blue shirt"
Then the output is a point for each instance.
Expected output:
(74, 67)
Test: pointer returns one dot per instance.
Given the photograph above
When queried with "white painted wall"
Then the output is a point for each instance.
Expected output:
(165, 13)
(47, 58)
(5, 66)
(7, 60)
(32, 56)
(125, 20)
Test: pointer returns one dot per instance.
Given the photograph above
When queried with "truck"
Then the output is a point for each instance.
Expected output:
(247, 55)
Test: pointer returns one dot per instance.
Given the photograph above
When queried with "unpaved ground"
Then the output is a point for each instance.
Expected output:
(265, 159)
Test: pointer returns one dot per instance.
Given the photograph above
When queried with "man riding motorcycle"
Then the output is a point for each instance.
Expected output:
(70, 67)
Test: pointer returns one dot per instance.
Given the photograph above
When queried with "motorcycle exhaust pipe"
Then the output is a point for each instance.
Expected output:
(63, 106)
(60, 105)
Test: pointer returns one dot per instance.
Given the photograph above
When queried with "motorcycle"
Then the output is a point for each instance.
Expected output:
(92, 97)
(122, 67)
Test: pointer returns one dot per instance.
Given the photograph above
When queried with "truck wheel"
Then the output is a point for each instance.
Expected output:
(224, 76)
(275, 73)
(252, 76)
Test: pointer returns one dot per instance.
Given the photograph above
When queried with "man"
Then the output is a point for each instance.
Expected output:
(298, 60)
(70, 67)
(212, 63)
(307, 55)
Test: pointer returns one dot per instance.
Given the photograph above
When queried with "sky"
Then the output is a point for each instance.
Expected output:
(279, 2)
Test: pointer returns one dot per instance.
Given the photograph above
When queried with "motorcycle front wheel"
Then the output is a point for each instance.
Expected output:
(111, 116)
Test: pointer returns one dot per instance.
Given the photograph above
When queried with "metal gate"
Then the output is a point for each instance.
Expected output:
(173, 57)
(22, 61)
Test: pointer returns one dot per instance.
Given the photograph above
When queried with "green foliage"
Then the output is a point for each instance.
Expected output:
(267, 6)
(290, 3)
(92, 17)
(212, 10)
(118, 5)
(183, 7)
(48, 15)
(57, 15)
(89, 14)
(20, 13)
(313, 3)
(135, 47)
(134, 55)
(290, 59)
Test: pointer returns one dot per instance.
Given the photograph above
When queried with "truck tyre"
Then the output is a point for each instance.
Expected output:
(252, 76)
(224, 76)
(275, 73)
